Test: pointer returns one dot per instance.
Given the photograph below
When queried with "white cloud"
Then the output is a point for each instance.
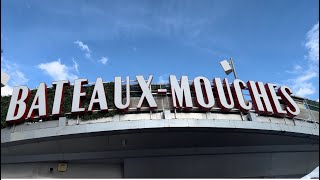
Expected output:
(17, 77)
(88, 55)
(163, 79)
(312, 43)
(58, 71)
(295, 70)
(301, 84)
(309, 74)
(104, 60)
(304, 89)
(75, 65)
(297, 67)
(304, 74)
(87, 51)
(6, 90)
(84, 48)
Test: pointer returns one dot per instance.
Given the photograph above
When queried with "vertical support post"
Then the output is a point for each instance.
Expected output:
(236, 77)
(175, 113)
(151, 93)
(62, 121)
(77, 119)
(233, 69)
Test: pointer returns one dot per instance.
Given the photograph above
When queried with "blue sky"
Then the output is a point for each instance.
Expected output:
(270, 41)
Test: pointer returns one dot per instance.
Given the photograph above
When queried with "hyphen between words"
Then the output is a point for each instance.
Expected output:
(265, 98)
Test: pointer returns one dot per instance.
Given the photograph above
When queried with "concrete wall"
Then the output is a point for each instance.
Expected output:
(144, 121)
(74, 170)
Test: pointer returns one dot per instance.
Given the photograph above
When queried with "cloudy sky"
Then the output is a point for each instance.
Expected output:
(270, 41)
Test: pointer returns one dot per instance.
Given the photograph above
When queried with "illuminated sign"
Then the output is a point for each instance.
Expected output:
(266, 98)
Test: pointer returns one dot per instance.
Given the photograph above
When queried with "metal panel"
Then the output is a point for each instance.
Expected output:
(253, 165)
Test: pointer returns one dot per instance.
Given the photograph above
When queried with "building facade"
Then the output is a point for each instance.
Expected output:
(164, 142)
